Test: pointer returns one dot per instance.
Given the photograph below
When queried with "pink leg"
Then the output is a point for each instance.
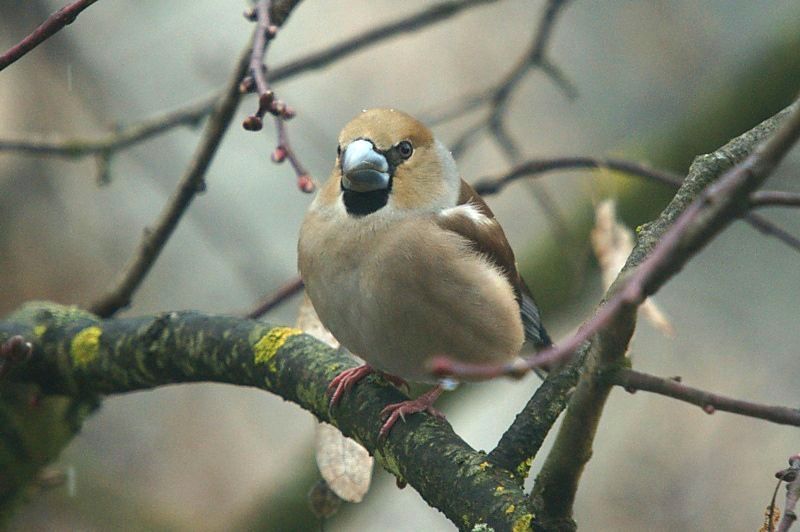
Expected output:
(346, 380)
(399, 382)
(423, 403)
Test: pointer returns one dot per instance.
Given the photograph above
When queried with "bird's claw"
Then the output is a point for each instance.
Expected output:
(346, 380)
(399, 382)
(395, 411)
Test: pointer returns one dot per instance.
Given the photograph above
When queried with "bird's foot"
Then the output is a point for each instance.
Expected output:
(395, 411)
(346, 380)
(399, 382)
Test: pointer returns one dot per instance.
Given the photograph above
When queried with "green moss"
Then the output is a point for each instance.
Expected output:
(389, 463)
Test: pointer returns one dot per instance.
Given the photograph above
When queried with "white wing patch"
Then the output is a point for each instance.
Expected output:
(470, 211)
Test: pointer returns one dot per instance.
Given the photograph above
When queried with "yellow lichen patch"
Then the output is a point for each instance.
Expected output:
(524, 467)
(522, 524)
(85, 346)
(498, 490)
(39, 330)
(269, 344)
(483, 465)
(510, 509)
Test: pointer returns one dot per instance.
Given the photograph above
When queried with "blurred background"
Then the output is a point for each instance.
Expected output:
(657, 82)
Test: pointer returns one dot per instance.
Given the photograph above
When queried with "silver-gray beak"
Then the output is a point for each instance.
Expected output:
(363, 168)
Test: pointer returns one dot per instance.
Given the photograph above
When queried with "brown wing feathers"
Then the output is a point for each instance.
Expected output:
(490, 240)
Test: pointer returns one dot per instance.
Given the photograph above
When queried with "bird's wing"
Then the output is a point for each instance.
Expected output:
(472, 219)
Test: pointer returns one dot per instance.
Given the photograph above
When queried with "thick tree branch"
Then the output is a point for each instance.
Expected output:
(54, 23)
(192, 182)
(710, 402)
(78, 355)
(523, 439)
(702, 207)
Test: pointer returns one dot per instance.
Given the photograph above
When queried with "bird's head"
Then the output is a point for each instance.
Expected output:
(386, 158)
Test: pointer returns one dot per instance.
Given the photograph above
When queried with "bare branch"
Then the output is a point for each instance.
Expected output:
(710, 402)
(714, 208)
(124, 137)
(103, 148)
(107, 145)
(192, 182)
(537, 167)
(54, 23)
(774, 198)
(498, 98)
(770, 229)
(287, 290)
(415, 22)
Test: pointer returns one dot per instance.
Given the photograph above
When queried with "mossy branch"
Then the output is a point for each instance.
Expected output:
(81, 357)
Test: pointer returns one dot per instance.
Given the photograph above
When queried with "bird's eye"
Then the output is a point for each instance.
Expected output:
(339, 150)
(405, 149)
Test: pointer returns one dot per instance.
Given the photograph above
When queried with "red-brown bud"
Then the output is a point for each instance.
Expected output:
(252, 123)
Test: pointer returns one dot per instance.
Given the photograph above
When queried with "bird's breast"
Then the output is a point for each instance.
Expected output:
(399, 294)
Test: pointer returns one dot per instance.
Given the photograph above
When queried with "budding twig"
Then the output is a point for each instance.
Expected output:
(268, 103)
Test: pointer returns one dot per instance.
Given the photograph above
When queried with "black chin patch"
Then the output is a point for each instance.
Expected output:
(364, 203)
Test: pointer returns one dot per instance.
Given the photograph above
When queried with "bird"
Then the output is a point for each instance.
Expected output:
(403, 262)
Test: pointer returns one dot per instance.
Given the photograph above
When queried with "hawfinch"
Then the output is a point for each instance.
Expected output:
(403, 261)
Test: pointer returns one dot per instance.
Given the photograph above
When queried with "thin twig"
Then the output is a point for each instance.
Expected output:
(710, 402)
(103, 148)
(54, 23)
(498, 98)
(193, 113)
(190, 184)
(121, 138)
(774, 198)
(414, 22)
(770, 229)
(713, 209)
(537, 167)
(274, 299)
(498, 94)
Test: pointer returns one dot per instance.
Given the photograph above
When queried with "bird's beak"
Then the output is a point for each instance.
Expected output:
(363, 168)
